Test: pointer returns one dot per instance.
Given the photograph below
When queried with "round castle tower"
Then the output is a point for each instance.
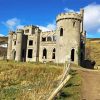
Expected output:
(19, 45)
(9, 49)
(69, 29)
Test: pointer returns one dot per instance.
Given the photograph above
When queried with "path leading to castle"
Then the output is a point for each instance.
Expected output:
(90, 84)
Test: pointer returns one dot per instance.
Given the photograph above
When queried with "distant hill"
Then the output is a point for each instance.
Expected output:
(3, 51)
(3, 40)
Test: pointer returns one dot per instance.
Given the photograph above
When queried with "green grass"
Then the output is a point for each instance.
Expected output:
(35, 81)
(72, 89)
(28, 81)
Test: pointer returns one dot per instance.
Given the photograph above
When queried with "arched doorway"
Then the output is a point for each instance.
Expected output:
(45, 53)
(72, 54)
(14, 54)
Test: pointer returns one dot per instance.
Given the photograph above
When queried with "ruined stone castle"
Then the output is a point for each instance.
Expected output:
(66, 42)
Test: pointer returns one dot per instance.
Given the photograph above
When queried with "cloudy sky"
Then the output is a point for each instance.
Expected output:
(17, 13)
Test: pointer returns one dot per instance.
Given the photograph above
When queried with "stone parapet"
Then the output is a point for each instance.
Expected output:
(71, 15)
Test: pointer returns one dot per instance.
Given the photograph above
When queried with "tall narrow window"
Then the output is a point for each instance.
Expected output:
(45, 53)
(61, 32)
(30, 52)
(72, 54)
(53, 53)
(14, 42)
(14, 55)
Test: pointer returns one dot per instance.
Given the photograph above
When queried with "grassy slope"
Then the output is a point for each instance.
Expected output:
(72, 90)
(27, 81)
(94, 46)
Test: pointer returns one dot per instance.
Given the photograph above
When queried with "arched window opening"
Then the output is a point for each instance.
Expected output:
(43, 38)
(53, 54)
(49, 38)
(74, 24)
(45, 53)
(14, 55)
(54, 50)
(61, 32)
(72, 54)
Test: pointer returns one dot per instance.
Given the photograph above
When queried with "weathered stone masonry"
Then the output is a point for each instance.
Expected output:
(66, 42)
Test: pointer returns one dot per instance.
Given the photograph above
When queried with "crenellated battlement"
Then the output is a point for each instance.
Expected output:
(19, 30)
(30, 26)
(70, 15)
(11, 32)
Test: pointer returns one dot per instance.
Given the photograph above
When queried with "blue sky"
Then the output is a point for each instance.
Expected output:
(17, 13)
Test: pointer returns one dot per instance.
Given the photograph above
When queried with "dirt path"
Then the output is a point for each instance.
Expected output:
(90, 84)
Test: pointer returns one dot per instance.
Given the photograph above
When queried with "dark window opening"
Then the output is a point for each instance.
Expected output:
(53, 54)
(61, 32)
(31, 42)
(14, 42)
(73, 23)
(49, 38)
(30, 51)
(45, 53)
(27, 31)
(14, 55)
(54, 50)
(43, 38)
(72, 54)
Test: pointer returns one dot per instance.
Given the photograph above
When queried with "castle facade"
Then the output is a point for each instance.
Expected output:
(67, 42)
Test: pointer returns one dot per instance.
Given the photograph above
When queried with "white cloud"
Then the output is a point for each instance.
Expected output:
(49, 27)
(91, 17)
(69, 10)
(20, 26)
(1, 35)
(13, 23)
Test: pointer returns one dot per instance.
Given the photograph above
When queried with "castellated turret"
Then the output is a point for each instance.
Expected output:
(69, 28)
(19, 44)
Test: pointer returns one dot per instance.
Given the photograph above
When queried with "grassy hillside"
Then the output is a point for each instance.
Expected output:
(3, 40)
(3, 51)
(28, 81)
(93, 49)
